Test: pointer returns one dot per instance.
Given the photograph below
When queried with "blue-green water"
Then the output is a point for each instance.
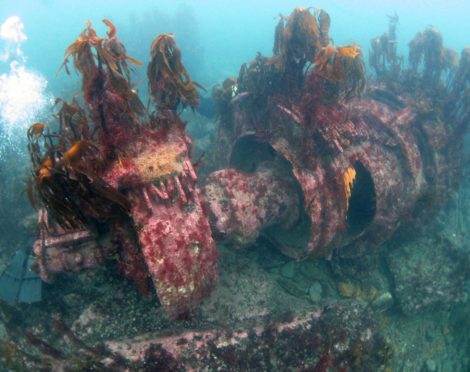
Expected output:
(216, 38)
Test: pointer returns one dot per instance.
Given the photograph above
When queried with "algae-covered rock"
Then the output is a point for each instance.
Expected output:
(315, 292)
(288, 270)
(350, 290)
(383, 302)
(428, 273)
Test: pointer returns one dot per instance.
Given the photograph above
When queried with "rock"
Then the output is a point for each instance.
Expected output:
(288, 270)
(317, 341)
(314, 269)
(350, 290)
(383, 302)
(315, 292)
(346, 289)
(430, 365)
(291, 287)
(427, 272)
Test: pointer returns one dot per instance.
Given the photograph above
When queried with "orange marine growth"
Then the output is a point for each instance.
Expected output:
(36, 130)
(45, 169)
(349, 177)
(112, 29)
(349, 51)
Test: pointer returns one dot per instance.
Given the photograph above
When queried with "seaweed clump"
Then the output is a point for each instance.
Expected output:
(344, 68)
(301, 46)
(65, 169)
(68, 165)
(432, 74)
(429, 59)
(102, 63)
(460, 95)
(297, 39)
(461, 84)
(383, 56)
(170, 84)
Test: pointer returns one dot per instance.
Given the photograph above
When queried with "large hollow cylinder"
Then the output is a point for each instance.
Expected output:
(362, 168)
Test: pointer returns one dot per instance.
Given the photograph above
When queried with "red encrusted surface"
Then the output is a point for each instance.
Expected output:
(322, 138)
(172, 228)
(178, 249)
(242, 204)
(326, 340)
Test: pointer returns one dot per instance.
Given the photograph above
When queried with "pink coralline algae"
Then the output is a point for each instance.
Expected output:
(241, 205)
(323, 340)
(173, 230)
(313, 159)
(126, 180)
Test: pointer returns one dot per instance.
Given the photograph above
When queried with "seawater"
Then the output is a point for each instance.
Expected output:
(215, 37)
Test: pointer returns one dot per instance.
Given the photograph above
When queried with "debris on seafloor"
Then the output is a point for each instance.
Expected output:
(18, 284)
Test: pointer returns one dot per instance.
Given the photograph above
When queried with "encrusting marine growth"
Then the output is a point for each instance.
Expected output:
(125, 176)
(311, 157)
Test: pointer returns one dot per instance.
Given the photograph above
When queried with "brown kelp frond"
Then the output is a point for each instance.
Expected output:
(323, 57)
(170, 84)
(324, 22)
(115, 53)
(462, 77)
(428, 54)
(35, 131)
(461, 88)
(349, 51)
(73, 121)
(343, 66)
(383, 57)
(279, 35)
(66, 172)
(259, 79)
(88, 47)
(300, 38)
(103, 61)
(297, 39)
(112, 29)
(80, 51)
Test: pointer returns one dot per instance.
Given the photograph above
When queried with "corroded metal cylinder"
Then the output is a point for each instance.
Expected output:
(362, 167)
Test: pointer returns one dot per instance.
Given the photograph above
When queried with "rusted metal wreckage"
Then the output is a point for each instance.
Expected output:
(310, 157)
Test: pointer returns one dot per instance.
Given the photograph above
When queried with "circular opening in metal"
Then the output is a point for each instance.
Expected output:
(362, 202)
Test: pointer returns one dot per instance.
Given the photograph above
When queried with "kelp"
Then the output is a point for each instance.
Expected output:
(344, 67)
(461, 88)
(383, 57)
(297, 38)
(259, 79)
(81, 51)
(102, 63)
(88, 48)
(68, 164)
(279, 35)
(324, 22)
(301, 38)
(428, 54)
(222, 95)
(65, 172)
(74, 199)
(170, 84)
(73, 122)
